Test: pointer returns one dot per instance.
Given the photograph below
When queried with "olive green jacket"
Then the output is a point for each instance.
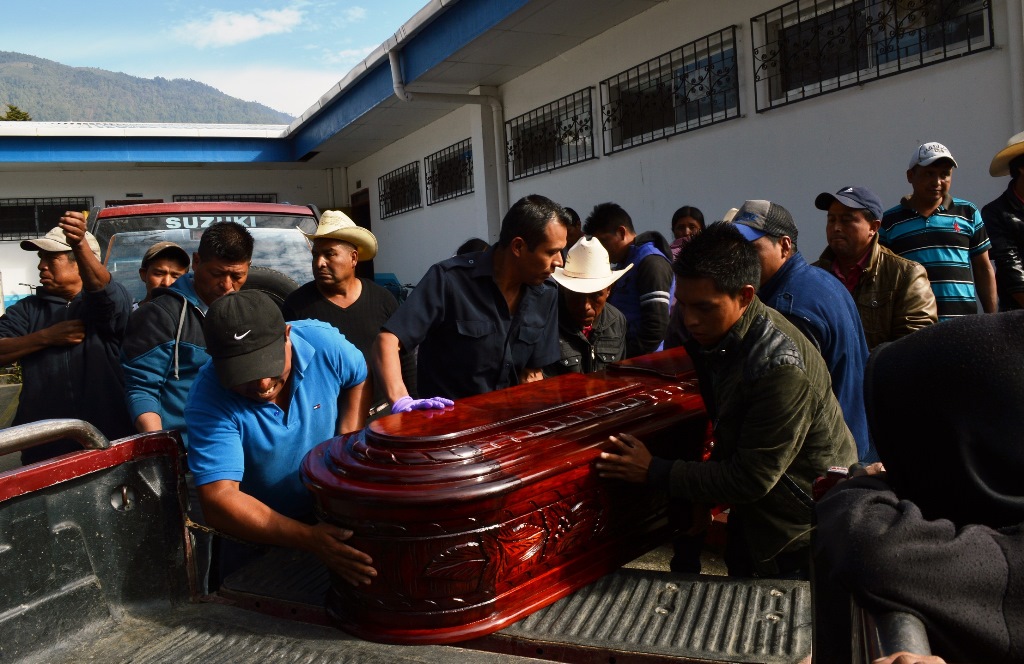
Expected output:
(778, 426)
(893, 296)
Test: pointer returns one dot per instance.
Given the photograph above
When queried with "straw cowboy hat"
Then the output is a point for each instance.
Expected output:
(335, 225)
(1001, 162)
(587, 269)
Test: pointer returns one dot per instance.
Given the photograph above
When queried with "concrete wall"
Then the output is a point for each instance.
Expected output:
(863, 136)
(413, 241)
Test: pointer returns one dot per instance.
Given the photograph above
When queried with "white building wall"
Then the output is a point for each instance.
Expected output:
(412, 241)
(857, 136)
(862, 136)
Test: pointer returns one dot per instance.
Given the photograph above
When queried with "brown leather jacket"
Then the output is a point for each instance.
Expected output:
(894, 296)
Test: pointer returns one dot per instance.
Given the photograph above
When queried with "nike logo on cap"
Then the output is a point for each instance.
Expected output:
(239, 337)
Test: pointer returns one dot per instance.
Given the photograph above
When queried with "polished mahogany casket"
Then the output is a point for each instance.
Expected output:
(480, 514)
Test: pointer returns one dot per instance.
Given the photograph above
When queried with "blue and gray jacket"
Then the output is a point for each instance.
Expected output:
(643, 295)
(163, 351)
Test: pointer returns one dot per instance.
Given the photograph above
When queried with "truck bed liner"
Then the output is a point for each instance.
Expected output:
(215, 634)
(628, 616)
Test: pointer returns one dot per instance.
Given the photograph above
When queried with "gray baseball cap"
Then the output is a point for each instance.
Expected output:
(55, 240)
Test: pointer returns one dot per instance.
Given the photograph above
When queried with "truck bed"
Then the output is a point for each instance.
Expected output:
(631, 615)
(96, 568)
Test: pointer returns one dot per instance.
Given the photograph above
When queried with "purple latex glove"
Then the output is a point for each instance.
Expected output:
(407, 403)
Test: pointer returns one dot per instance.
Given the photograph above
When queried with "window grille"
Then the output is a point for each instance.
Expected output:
(808, 48)
(215, 198)
(551, 137)
(449, 172)
(399, 190)
(26, 218)
(693, 86)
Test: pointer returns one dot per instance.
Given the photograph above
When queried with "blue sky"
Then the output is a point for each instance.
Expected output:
(282, 53)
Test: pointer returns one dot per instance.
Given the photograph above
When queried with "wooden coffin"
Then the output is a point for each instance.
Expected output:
(479, 515)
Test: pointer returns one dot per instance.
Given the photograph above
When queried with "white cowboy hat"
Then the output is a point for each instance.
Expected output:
(336, 225)
(587, 269)
(1001, 162)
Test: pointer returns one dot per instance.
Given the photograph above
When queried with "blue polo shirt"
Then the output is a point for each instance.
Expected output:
(260, 445)
(469, 342)
(944, 244)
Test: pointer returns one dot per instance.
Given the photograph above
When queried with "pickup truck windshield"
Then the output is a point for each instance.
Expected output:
(283, 249)
(107, 227)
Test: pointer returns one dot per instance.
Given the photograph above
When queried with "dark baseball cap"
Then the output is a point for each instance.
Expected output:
(245, 334)
(755, 219)
(858, 198)
(166, 250)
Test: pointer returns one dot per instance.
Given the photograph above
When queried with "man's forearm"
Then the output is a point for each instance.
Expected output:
(653, 326)
(147, 422)
(95, 277)
(389, 366)
(985, 281)
(235, 513)
(13, 349)
(238, 514)
(357, 407)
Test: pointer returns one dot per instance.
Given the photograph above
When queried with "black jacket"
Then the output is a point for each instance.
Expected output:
(941, 536)
(1004, 221)
(778, 427)
(607, 342)
(80, 381)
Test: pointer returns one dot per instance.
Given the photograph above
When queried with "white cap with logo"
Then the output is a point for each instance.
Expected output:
(929, 153)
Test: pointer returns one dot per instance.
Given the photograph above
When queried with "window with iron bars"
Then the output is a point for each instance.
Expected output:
(235, 198)
(449, 172)
(808, 48)
(399, 190)
(551, 137)
(687, 88)
(26, 218)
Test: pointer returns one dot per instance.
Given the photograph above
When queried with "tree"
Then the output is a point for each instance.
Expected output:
(15, 114)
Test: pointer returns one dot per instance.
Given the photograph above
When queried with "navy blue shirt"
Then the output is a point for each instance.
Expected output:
(469, 342)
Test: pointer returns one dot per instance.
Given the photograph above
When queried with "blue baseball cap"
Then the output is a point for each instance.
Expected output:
(758, 218)
(858, 198)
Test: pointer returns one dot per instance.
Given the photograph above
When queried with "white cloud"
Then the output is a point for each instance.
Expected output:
(353, 14)
(281, 88)
(347, 56)
(231, 28)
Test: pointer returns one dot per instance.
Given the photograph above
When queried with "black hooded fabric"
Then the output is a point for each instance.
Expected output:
(941, 536)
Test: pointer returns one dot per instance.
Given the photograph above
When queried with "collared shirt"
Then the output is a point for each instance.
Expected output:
(850, 276)
(944, 243)
(259, 444)
(469, 342)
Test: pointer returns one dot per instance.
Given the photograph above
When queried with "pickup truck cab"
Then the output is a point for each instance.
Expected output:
(281, 258)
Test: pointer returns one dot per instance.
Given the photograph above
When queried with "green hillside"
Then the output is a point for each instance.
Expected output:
(51, 92)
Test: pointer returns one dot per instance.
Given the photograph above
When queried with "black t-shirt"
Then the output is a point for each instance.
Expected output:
(359, 322)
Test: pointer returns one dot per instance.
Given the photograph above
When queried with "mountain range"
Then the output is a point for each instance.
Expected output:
(51, 92)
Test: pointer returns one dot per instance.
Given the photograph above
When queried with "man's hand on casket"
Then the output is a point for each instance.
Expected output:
(630, 463)
(407, 403)
(350, 564)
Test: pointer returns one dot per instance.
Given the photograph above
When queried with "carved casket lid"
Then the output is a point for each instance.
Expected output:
(489, 443)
